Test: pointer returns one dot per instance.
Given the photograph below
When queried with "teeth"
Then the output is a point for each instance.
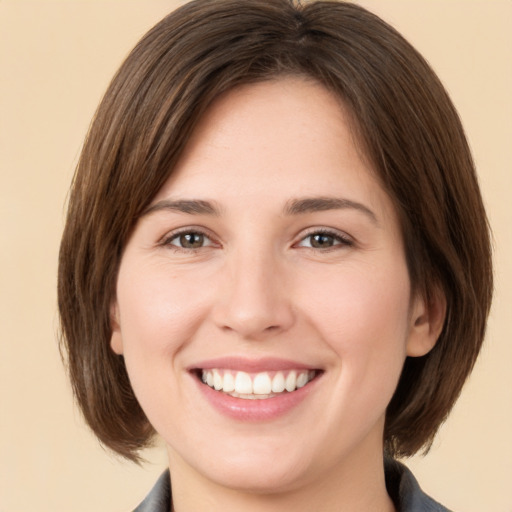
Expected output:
(302, 380)
(291, 381)
(278, 383)
(260, 385)
(243, 383)
(217, 380)
(229, 383)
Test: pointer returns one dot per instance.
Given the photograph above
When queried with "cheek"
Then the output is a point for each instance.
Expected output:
(364, 317)
(158, 316)
(157, 309)
(161, 310)
(367, 321)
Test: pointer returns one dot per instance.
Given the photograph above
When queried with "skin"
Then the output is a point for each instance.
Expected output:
(257, 286)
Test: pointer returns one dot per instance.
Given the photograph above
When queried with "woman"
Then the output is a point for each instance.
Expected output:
(276, 256)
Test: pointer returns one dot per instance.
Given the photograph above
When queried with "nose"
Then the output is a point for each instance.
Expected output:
(254, 301)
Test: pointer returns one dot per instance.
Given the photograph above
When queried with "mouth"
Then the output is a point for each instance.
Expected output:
(256, 386)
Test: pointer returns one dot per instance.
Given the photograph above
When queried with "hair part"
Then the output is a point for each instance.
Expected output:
(407, 128)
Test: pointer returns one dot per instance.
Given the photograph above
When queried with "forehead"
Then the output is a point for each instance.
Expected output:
(259, 137)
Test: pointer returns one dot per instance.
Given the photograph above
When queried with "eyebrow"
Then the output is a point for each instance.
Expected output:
(292, 207)
(319, 204)
(190, 206)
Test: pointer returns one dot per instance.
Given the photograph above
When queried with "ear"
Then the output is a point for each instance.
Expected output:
(427, 321)
(116, 341)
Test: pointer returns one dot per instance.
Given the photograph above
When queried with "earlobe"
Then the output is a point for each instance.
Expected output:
(116, 341)
(427, 321)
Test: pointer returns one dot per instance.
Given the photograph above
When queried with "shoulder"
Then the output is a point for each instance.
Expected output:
(406, 492)
(159, 498)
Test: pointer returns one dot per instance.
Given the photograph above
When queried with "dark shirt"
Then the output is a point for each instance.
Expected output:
(400, 482)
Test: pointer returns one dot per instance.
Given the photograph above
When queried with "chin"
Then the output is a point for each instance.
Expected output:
(259, 467)
(268, 478)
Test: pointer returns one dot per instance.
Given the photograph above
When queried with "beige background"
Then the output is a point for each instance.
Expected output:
(56, 58)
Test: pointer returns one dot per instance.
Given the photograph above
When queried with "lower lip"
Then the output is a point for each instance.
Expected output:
(265, 409)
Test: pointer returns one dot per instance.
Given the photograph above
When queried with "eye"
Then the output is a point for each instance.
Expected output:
(324, 240)
(188, 240)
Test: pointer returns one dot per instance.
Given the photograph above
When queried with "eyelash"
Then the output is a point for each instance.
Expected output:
(167, 240)
(340, 240)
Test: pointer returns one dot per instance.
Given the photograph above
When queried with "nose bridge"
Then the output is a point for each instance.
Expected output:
(254, 301)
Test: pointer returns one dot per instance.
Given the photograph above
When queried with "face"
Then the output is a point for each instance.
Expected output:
(263, 302)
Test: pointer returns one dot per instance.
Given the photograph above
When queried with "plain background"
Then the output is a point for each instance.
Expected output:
(56, 59)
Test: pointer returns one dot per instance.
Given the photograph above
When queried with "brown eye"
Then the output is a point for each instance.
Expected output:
(321, 241)
(325, 240)
(189, 240)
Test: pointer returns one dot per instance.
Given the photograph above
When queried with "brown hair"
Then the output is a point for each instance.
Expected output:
(408, 129)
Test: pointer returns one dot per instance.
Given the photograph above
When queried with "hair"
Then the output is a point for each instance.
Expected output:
(407, 128)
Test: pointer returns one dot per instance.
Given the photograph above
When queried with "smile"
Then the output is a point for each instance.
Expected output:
(254, 386)
(255, 390)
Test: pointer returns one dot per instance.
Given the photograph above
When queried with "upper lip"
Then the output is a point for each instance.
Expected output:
(251, 365)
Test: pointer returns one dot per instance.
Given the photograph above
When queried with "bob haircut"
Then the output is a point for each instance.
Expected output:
(404, 123)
